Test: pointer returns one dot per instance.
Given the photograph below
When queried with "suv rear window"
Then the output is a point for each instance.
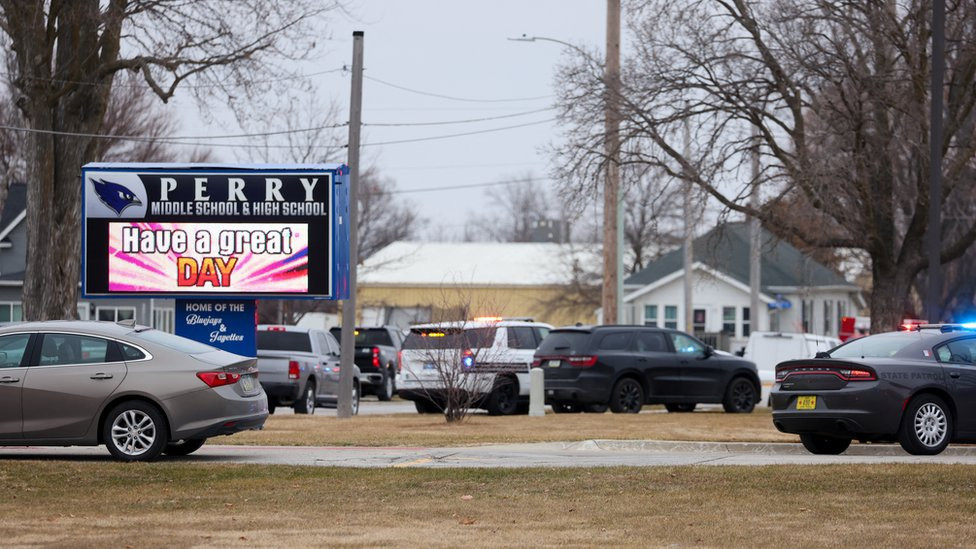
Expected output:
(366, 336)
(570, 342)
(284, 341)
(449, 338)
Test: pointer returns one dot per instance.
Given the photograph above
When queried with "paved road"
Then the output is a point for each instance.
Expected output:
(592, 453)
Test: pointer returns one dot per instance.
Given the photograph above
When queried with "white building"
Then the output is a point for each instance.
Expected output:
(798, 293)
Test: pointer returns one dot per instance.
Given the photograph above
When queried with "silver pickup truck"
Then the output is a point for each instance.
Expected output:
(299, 367)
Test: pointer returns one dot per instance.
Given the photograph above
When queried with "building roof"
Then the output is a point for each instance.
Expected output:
(13, 206)
(477, 263)
(726, 249)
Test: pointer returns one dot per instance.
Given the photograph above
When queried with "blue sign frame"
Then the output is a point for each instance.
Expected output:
(122, 202)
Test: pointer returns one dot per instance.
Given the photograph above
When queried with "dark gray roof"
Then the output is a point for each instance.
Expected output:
(726, 249)
(15, 204)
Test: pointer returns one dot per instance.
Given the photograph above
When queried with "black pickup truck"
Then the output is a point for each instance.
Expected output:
(376, 355)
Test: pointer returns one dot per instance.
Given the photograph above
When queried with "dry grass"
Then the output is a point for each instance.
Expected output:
(172, 504)
(432, 430)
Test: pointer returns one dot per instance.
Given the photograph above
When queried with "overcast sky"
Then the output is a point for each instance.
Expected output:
(458, 49)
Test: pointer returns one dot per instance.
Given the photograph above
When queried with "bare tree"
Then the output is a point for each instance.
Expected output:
(512, 210)
(462, 366)
(836, 94)
(67, 55)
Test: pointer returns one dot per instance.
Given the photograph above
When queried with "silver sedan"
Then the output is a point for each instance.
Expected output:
(139, 391)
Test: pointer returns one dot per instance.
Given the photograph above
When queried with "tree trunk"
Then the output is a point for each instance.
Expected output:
(889, 299)
(52, 275)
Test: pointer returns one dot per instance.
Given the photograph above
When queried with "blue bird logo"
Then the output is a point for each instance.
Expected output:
(115, 196)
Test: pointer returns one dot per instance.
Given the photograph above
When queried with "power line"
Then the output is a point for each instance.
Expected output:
(453, 98)
(10, 78)
(469, 185)
(462, 134)
(179, 142)
(467, 121)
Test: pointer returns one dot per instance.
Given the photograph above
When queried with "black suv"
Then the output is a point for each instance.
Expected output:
(590, 368)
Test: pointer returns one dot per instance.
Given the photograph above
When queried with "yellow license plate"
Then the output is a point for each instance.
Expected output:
(806, 402)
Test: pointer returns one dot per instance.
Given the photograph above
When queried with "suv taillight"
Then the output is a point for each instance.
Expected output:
(536, 362)
(294, 372)
(218, 379)
(581, 361)
(376, 357)
(399, 361)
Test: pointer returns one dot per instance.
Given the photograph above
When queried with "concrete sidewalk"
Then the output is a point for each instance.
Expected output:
(590, 453)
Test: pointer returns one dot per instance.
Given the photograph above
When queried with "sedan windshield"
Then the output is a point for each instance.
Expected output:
(876, 346)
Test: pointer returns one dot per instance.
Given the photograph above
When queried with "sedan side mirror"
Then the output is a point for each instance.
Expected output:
(709, 351)
(822, 354)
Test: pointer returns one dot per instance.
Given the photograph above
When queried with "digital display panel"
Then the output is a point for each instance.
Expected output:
(199, 232)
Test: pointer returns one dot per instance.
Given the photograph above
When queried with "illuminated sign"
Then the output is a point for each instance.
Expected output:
(199, 231)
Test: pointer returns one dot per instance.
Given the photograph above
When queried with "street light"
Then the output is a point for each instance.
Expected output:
(613, 219)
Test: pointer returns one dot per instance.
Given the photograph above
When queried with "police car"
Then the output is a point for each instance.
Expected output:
(480, 363)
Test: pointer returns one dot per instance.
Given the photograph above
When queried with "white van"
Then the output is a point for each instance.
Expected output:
(767, 349)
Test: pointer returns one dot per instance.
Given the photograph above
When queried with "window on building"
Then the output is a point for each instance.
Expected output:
(746, 322)
(164, 320)
(671, 316)
(698, 321)
(115, 314)
(11, 312)
(807, 315)
(728, 320)
(828, 310)
(650, 315)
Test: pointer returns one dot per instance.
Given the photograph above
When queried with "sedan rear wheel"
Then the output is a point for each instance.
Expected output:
(926, 427)
(184, 447)
(627, 397)
(135, 431)
(821, 444)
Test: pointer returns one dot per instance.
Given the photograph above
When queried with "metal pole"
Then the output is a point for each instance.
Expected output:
(934, 294)
(611, 200)
(689, 249)
(755, 262)
(348, 343)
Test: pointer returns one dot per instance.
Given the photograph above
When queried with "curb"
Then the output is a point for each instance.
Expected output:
(772, 448)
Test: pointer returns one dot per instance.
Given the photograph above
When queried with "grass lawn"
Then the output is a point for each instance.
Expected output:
(82, 504)
(432, 430)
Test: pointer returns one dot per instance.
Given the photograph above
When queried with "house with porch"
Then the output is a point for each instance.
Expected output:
(797, 293)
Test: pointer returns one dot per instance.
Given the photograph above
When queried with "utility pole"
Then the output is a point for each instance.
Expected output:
(933, 299)
(689, 251)
(755, 262)
(348, 344)
(611, 189)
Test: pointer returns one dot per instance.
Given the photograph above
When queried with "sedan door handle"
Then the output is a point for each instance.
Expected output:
(100, 375)
(8, 379)
(954, 375)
